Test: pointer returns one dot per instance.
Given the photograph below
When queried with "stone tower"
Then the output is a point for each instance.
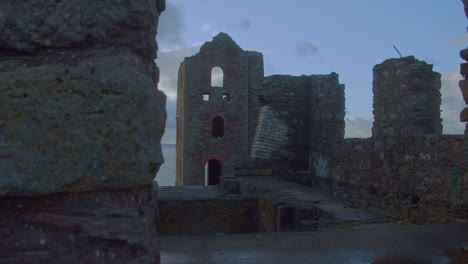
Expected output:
(406, 99)
(213, 110)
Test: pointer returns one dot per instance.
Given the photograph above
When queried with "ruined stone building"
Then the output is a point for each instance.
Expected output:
(293, 127)
(213, 121)
(249, 116)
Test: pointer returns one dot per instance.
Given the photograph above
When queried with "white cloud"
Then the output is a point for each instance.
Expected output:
(169, 61)
(171, 25)
(206, 27)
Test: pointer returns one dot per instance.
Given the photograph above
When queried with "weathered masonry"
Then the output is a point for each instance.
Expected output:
(213, 118)
(81, 121)
(293, 127)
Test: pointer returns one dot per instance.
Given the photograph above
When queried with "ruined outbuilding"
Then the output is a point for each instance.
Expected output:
(293, 127)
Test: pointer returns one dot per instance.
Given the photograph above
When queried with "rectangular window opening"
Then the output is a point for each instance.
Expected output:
(206, 97)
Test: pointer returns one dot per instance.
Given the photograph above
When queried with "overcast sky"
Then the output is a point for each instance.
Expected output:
(322, 36)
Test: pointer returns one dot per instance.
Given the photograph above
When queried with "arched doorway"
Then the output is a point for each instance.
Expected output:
(217, 127)
(212, 172)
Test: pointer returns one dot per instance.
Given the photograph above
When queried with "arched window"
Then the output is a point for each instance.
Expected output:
(217, 77)
(212, 172)
(217, 127)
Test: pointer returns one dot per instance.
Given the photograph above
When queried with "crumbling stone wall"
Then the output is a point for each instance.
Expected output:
(312, 108)
(326, 132)
(287, 96)
(80, 126)
(407, 166)
(419, 179)
(256, 75)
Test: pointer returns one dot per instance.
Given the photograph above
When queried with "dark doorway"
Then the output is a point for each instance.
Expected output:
(217, 127)
(212, 172)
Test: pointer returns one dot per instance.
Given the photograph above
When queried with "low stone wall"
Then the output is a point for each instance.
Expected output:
(261, 167)
(208, 216)
(197, 210)
(418, 178)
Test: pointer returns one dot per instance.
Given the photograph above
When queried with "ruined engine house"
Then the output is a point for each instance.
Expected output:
(248, 116)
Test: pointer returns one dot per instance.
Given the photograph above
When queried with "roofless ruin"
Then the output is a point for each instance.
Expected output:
(293, 127)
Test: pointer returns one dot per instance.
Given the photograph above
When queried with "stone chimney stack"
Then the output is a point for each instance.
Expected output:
(406, 99)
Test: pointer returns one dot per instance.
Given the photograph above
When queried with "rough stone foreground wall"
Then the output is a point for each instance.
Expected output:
(80, 127)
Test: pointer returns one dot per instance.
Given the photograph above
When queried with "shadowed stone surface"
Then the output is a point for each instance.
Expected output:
(31, 25)
(81, 120)
(95, 227)
(204, 210)
(389, 245)
(64, 129)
